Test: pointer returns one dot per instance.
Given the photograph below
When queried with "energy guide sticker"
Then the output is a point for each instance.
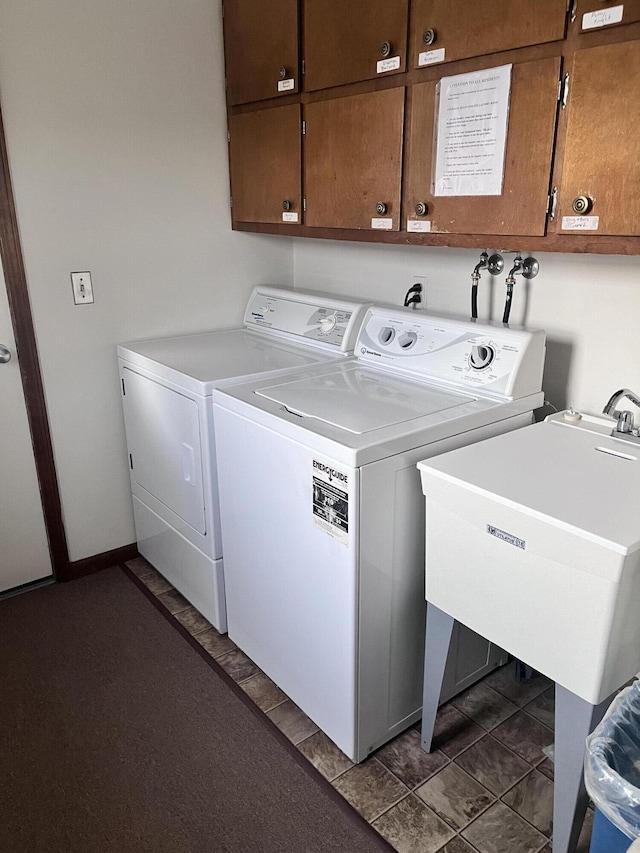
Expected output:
(331, 501)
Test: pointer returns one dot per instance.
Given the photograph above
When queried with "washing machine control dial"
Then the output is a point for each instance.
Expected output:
(481, 356)
(328, 324)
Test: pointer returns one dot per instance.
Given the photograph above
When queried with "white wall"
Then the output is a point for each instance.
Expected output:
(116, 130)
(589, 305)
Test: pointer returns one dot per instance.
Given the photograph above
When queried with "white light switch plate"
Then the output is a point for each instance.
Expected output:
(82, 289)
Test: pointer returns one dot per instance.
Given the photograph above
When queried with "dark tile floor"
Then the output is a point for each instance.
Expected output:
(486, 788)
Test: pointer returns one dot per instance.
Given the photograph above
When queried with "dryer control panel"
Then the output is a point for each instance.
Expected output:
(309, 317)
(496, 360)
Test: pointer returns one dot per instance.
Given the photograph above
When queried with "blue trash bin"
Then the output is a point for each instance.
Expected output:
(612, 774)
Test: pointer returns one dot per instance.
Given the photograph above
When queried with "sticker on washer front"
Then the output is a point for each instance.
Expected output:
(331, 501)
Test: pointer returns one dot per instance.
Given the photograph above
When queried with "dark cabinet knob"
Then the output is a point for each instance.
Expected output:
(429, 36)
(381, 208)
(582, 205)
(385, 49)
(282, 73)
(421, 208)
(286, 205)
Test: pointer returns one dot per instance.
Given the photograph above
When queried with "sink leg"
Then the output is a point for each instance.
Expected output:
(575, 720)
(436, 649)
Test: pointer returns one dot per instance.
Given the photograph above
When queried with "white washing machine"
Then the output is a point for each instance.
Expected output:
(323, 515)
(166, 388)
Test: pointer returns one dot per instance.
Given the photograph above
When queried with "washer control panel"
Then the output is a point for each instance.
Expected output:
(492, 359)
(311, 317)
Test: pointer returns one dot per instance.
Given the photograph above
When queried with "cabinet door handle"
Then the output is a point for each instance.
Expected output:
(582, 205)
(381, 208)
(429, 36)
(286, 205)
(421, 208)
(282, 72)
(385, 49)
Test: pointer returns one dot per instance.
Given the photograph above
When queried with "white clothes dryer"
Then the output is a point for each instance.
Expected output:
(166, 390)
(323, 516)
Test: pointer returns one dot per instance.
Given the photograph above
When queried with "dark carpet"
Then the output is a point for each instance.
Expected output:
(117, 735)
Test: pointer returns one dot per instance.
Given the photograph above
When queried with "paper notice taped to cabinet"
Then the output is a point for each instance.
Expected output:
(471, 133)
(331, 501)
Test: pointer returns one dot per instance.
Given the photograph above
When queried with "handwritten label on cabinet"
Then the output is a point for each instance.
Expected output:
(602, 18)
(390, 64)
(382, 224)
(290, 217)
(286, 85)
(472, 117)
(430, 57)
(419, 226)
(580, 223)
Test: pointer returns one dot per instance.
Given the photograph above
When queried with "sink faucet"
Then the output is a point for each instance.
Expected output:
(624, 418)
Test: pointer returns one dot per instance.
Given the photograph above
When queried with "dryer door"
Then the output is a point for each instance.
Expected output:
(163, 437)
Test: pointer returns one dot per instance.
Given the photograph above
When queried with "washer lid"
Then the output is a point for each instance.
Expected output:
(361, 400)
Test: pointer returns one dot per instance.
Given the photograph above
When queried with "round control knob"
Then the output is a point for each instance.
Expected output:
(286, 204)
(282, 72)
(421, 208)
(582, 205)
(381, 208)
(386, 335)
(429, 36)
(385, 49)
(481, 356)
(328, 324)
(407, 340)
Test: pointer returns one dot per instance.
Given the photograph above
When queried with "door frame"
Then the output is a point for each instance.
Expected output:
(24, 333)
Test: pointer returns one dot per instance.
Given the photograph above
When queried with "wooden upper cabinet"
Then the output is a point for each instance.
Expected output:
(264, 157)
(353, 160)
(261, 49)
(447, 30)
(600, 190)
(521, 208)
(601, 14)
(345, 42)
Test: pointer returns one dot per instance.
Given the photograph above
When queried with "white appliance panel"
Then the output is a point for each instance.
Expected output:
(360, 400)
(198, 577)
(202, 362)
(163, 433)
(292, 590)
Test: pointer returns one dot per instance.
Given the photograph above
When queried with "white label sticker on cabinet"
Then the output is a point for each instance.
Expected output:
(331, 501)
(580, 223)
(419, 226)
(290, 217)
(391, 64)
(430, 57)
(286, 85)
(382, 224)
(602, 18)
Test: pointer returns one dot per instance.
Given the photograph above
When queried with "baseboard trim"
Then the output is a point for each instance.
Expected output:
(90, 565)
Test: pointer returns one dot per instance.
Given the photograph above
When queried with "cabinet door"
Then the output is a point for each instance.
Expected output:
(521, 208)
(600, 190)
(597, 14)
(356, 40)
(446, 30)
(264, 151)
(353, 160)
(261, 49)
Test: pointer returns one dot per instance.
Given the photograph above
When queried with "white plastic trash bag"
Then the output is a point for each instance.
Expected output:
(612, 763)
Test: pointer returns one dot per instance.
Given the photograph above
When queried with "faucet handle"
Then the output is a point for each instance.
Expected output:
(625, 421)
